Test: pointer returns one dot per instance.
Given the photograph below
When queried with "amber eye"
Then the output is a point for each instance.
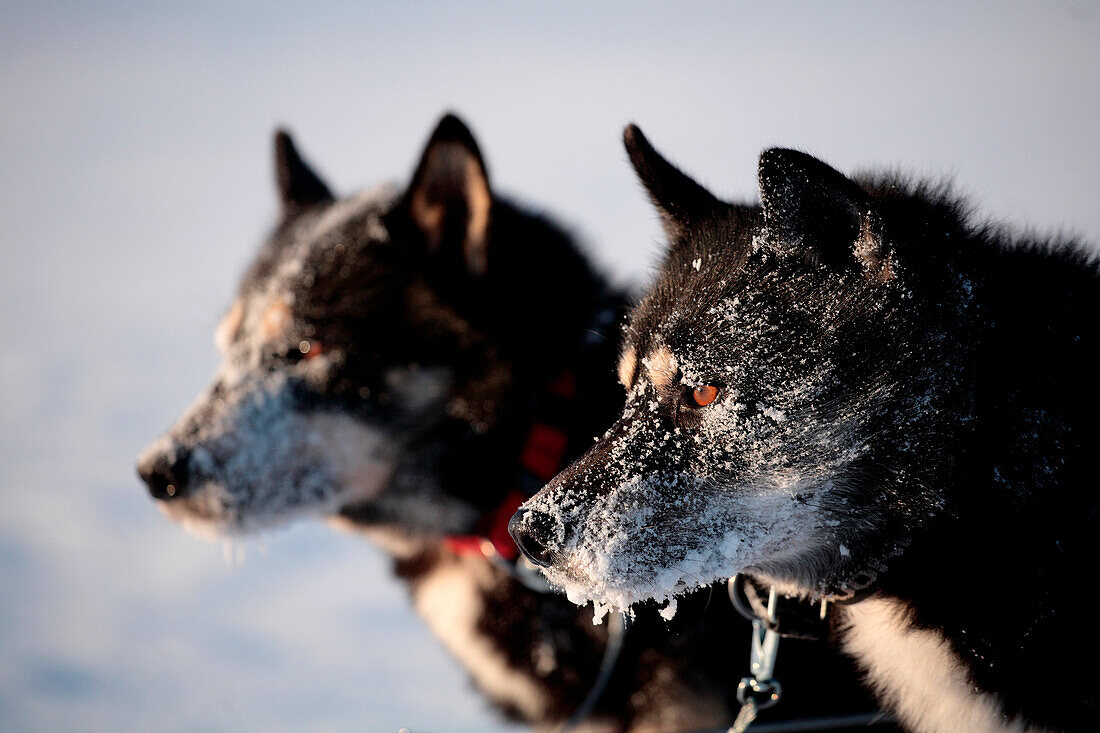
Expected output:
(703, 395)
(310, 349)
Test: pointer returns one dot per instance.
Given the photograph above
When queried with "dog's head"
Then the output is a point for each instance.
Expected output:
(788, 382)
(365, 356)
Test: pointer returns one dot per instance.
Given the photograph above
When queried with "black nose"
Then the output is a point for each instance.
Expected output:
(165, 474)
(532, 530)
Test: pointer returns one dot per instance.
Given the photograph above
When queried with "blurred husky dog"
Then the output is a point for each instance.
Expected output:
(390, 360)
(851, 392)
(378, 354)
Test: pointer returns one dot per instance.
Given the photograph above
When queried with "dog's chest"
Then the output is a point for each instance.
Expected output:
(917, 674)
(450, 598)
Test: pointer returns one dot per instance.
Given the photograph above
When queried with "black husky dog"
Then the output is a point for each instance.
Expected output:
(852, 392)
(406, 361)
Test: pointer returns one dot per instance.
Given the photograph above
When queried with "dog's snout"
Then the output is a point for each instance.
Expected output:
(165, 473)
(533, 531)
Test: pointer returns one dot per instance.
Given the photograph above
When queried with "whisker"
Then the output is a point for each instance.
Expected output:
(227, 552)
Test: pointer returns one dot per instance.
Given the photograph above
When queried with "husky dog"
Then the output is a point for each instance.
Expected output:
(851, 392)
(404, 361)
(369, 358)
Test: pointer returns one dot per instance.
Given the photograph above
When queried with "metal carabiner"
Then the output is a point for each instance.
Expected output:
(765, 643)
(761, 690)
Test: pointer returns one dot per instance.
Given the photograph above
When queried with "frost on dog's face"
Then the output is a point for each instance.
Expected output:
(347, 378)
(781, 375)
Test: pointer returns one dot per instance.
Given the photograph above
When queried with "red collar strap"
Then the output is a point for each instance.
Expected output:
(543, 455)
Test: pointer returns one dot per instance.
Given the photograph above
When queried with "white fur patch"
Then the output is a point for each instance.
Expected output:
(421, 388)
(917, 673)
(449, 600)
(352, 450)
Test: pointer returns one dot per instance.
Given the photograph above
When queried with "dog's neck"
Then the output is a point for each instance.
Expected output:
(981, 599)
(966, 610)
(509, 637)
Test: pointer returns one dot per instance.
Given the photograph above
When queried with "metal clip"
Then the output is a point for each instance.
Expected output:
(760, 691)
(765, 643)
(762, 694)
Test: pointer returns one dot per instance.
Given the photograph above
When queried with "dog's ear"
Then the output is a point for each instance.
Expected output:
(449, 199)
(680, 200)
(816, 211)
(299, 187)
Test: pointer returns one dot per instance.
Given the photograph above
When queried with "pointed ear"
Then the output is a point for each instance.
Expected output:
(299, 187)
(449, 198)
(814, 209)
(680, 200)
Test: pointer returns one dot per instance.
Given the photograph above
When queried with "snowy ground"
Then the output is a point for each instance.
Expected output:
(135, 183)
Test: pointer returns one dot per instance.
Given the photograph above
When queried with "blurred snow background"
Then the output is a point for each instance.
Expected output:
(135, 183)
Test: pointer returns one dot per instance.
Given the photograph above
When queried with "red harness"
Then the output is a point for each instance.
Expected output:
(543, 455)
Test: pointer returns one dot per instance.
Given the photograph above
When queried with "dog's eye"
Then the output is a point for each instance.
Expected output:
(310, 349)
(702, 395)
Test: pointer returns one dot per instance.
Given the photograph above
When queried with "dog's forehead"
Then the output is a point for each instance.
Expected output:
(669, 326)
(652, 349)
(305, 247)
(699, 332)
(346, 234)
(354, 221)
(315, 255)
